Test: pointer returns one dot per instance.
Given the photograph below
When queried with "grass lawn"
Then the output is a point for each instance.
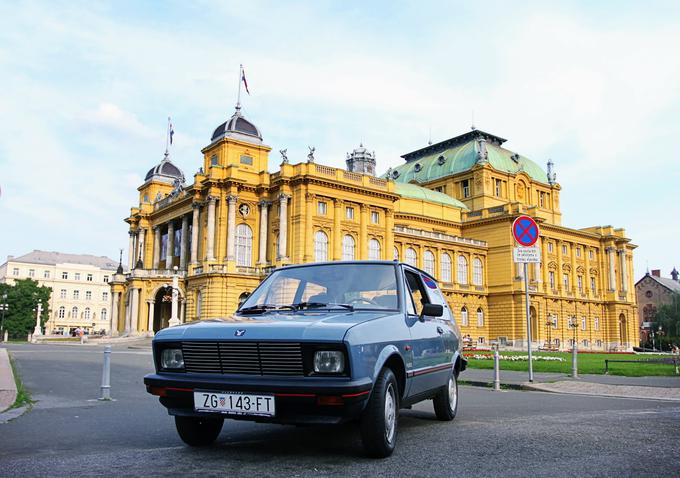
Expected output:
(23, 397)
(587, 363)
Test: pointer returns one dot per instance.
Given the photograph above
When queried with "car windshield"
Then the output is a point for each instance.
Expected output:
(327, 286)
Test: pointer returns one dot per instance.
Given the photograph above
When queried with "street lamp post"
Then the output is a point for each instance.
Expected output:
(3, 308)
(574, 350)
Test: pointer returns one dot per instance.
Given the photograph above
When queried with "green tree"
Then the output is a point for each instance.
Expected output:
(668, 318)
(22, 298)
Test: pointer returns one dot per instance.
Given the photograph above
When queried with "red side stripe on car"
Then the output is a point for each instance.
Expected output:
(423, 371)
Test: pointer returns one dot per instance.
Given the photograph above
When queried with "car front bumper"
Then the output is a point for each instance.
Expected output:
(308, 400)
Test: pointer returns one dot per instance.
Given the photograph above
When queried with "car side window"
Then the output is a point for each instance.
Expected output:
(417, 293)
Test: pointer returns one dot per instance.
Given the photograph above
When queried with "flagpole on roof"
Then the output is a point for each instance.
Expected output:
(240, 79)
(167, 139)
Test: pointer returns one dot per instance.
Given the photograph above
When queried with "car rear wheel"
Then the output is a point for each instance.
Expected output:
(198, 431)
(446, 400)
(379, 420)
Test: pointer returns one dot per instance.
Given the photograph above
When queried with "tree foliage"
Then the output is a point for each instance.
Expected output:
(668, 318)
(22, 298)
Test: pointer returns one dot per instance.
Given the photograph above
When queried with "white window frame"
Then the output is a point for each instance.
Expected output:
(244, 245)
(87, 314)
(31, 272)
(89, 278)
(320, 246)
(374, 250)
(445, 268)
(464, 316)
(480, 317)
(88, 295)
(348, 248)
(103, 314)
(76, 276)
(411, 257)
(551, 279)
(375, 217)
(64, 276)
(46, 274)
(105, 295)
(349, 213)
(462, 270)
(322, 208)
(477, 271)
(61, 314)
(429, 262)
(74, 312)
(76, 295)
(565, 281)
(63, 293)
(596, 323)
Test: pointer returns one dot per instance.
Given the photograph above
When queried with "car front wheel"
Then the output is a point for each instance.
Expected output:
(446, 400)
(198, 431)
(379, 420)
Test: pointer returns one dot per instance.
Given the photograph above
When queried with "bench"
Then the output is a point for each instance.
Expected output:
(669, 360)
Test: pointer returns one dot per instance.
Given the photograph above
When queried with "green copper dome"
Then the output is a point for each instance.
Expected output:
(460, 154)
(414, 191)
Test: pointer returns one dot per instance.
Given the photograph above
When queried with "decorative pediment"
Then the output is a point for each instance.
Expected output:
(594, 272)
(566, 267)
(552, 265)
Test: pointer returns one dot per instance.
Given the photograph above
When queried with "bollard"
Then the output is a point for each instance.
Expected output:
(106, 375)
(574, 362)
(496, 370)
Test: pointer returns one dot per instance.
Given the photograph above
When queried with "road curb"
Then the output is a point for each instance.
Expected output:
(615, 391)
(8, 387)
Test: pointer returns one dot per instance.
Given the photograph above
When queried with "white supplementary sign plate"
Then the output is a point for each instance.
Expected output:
(527, 254)
(235, 403)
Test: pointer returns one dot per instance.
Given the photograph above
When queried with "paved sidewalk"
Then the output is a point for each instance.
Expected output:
(8, 388)
(605, 390)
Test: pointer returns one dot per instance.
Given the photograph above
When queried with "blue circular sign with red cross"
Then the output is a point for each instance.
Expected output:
(525, 231)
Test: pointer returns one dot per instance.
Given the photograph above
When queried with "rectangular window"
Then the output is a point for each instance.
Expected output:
(590, 254)
(579, 279)
(105, 296)
(551, 279)
(584, 323)
(77, 276)
(15, 271)
(564, 249)
(247, 160)
(46, 274)
(578, 252)
(76, 294)
(596, 323)
(64, 275)
(565, 281)
(88, 295)
(550, 247)
(375, 217)
(89, 277)
(31, 272)
(213, 160)
(106, 278)
(465, 187)
(322, 208)
(541, 199)
(499, 187)
(592, 284)
(349, 213)
(62, 293)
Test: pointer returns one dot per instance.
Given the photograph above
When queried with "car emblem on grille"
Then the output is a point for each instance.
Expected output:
(240, 332)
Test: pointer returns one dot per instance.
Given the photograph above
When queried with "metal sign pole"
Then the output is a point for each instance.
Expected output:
(526, 297)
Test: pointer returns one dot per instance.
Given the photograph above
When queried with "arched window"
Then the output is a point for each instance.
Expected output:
(74, 312)
(428, 262)
(445, 268)
(477, 271)
(396, 253)
(462, 270)
(480, 317)
(87, 314)
(62, 312)
(348, 248)
(244, 245)
(411, 257)
(374, 250)
(103, 314)
(320, 246)
(464, 316)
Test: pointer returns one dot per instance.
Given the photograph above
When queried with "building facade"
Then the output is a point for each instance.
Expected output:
(448, 210)
(81, 295)
(653, 291)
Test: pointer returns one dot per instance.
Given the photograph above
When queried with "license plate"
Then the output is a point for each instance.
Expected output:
(235, 403)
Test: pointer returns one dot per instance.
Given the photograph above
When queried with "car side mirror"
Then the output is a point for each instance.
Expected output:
(432, 310)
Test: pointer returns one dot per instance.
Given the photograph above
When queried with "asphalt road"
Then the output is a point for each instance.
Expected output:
(509, 433)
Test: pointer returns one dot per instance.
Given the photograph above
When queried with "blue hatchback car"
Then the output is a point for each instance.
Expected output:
(317, 343)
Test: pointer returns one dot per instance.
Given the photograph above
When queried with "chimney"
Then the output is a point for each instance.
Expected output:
(656, 273)
(9, 258)
(674, 274)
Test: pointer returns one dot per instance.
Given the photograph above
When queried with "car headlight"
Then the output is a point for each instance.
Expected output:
(172, 359)
(329, 361)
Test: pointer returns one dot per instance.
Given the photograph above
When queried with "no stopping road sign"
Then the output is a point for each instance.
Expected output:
(525, 231)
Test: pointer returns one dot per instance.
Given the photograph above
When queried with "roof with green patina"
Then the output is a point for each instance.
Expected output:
(460, 154)
(413, 191)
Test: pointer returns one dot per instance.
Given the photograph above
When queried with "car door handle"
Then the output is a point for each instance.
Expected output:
(440, 330)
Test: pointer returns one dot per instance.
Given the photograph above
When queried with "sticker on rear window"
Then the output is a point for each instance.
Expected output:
(429, 282)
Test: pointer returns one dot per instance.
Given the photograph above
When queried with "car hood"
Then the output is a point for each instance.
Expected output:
(307, 325)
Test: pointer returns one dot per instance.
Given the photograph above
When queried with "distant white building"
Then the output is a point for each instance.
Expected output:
(81, 295)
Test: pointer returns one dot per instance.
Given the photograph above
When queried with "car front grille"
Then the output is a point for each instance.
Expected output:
(247, 358)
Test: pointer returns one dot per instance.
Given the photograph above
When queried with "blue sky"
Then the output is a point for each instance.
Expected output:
(86, 88)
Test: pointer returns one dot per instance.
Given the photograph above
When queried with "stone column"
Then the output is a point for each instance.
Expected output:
(363, 233)
(128, 311)
(308, 229)
(170, 253)
(264, 221)
(140, 248)
(131, 251)
(114, 313)
(183, 311)
(194, 232)
(156, 247)
(624, 270)
(612, 273)
(231, 227)
(337, 230)
(149, 326)
(210, 254)
(283, 226)
(134, 314)
(389, 237)
(184, 242)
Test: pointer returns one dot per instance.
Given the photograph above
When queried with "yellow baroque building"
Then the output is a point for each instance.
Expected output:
(447, 209)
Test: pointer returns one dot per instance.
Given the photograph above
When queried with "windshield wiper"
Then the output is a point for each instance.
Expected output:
(265, 307)
(321, 305)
